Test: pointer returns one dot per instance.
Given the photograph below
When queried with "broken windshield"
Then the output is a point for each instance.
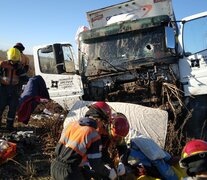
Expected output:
(117, 52)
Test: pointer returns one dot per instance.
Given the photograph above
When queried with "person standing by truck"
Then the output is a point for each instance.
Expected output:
(24, 59)
(10, 72)
(80, 142)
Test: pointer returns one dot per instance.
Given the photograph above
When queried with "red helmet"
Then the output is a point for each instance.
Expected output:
(102, 109)
(194, 150)
(119, 125)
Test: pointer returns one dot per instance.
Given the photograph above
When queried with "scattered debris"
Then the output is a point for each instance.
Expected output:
(35, 143)
(7, 150)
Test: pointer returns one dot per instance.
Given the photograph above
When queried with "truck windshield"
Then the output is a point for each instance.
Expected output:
(56, 59)
(195, 36)
(123, 51)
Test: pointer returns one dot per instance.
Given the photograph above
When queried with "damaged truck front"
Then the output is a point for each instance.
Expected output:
(147, 59)
(131, 61)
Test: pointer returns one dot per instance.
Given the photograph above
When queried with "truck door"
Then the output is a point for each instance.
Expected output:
(56, 64)
(193, 64)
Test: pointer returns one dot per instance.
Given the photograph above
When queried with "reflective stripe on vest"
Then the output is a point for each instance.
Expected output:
(9, 76)
(94, 156)
(79, 138)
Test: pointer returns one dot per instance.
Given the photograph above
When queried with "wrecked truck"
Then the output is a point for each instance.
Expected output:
(134, 52)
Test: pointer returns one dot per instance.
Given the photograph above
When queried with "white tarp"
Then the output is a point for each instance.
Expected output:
(148, 121)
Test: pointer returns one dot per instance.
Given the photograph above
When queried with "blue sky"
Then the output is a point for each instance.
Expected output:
(48, 21)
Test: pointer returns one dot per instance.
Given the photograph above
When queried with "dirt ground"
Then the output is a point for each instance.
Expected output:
(35, 150)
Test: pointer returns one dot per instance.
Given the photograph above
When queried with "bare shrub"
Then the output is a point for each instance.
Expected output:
(176, 137)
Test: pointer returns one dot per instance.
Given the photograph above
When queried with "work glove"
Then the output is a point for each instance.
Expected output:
(121, 170)
(112, 174)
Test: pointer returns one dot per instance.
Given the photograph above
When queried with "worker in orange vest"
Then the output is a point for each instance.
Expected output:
(10, 72)
(114, 147)
(80, 143)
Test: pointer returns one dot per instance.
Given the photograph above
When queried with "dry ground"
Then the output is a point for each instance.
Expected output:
(34, 153)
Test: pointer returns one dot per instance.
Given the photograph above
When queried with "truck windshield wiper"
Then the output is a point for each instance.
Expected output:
(115, 68)
(135, 58)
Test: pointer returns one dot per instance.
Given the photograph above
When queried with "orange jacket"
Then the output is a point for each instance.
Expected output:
(80, 138)
(80, 142)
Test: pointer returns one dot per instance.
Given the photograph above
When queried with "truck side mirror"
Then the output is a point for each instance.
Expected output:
(170, 37)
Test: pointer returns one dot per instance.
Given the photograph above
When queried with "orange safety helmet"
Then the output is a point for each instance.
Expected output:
(101, 108)
(119, 125)
(194, 150)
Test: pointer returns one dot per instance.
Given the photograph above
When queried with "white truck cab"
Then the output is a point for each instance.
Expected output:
(56, 64)
(193, 51)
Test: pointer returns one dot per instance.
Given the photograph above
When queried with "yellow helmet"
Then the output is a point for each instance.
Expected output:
(13, 54)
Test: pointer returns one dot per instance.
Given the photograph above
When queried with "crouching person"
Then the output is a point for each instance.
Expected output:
(146, 160)
(114, 147)
(80, 142)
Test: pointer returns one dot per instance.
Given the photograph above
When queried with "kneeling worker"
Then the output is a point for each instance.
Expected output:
(80, 142)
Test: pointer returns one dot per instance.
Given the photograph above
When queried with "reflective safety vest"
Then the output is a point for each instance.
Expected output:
(79, 138)
(8, 74)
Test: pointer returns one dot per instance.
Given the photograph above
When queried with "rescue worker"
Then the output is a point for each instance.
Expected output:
(123, 138)
(194, 159)
(119, 129)
(24, 59)
(114, 147)
(127, 139)
(120, 134)
(10, 72)
(80, 142)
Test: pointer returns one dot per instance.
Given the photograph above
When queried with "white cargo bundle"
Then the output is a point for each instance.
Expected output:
(151, 122)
